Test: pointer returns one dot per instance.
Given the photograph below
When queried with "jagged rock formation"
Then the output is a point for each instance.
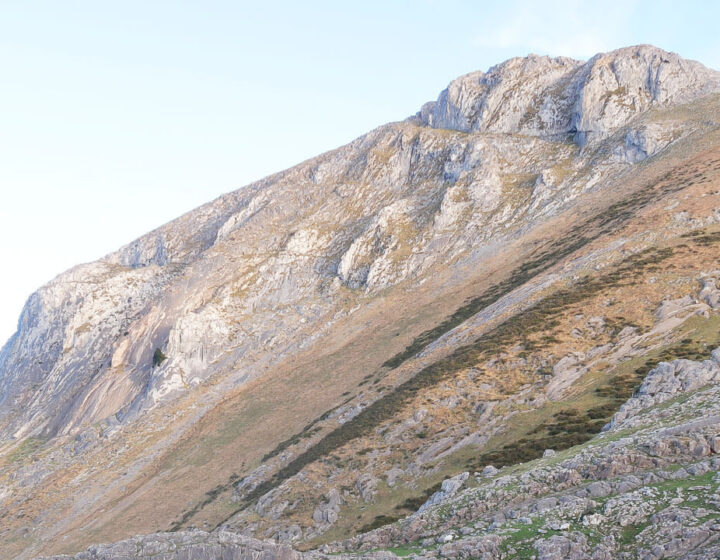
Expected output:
(330, 348)
(193, 545)
(551, 97)
(647, 487)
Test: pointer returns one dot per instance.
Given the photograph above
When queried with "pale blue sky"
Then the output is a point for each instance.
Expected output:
(119, 116)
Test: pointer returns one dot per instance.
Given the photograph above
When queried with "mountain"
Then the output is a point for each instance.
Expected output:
(319, 355)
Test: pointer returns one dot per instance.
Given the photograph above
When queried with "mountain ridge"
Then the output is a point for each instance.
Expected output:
(575, 98)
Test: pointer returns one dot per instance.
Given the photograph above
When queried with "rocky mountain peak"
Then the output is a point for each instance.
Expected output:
(543, 96)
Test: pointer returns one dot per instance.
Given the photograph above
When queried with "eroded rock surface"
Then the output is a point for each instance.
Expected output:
(654, 474)
(544, 96)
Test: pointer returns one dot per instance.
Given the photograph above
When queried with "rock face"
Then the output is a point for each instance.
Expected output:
(347, 341)
(544, 96)
(193, 545)
(655, 474)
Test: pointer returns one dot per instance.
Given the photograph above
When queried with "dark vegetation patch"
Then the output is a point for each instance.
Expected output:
(519, 276)
(379, 521)
(158, 357)
(572, 427)
(308, 431)
(702, 237)
(567, 429)
(210, 496)
(414, 502)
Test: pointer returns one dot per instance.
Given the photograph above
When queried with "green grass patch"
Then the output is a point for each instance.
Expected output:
(25, 449)
(628, 535)
(403, 551)
(521, 537)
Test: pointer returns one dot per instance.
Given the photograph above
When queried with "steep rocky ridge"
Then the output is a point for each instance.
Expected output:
(552, 97)
(358, 314)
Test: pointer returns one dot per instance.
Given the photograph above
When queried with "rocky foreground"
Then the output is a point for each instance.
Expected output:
(647, 487)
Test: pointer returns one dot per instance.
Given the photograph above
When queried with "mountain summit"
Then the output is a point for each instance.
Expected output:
(321, 354)
(543, 96)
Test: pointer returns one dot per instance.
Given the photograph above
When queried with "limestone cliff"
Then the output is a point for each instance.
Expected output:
(549, 97)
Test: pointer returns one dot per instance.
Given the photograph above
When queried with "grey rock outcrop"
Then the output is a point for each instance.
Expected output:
(188, 545)
(667, 381)
(653, 472)
(327, 513)
(545, 96)
(448, 488)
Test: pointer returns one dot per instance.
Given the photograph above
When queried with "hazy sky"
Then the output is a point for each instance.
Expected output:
(119, 116)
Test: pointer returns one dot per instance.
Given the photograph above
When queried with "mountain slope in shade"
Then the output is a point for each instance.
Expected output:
(309, 356)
